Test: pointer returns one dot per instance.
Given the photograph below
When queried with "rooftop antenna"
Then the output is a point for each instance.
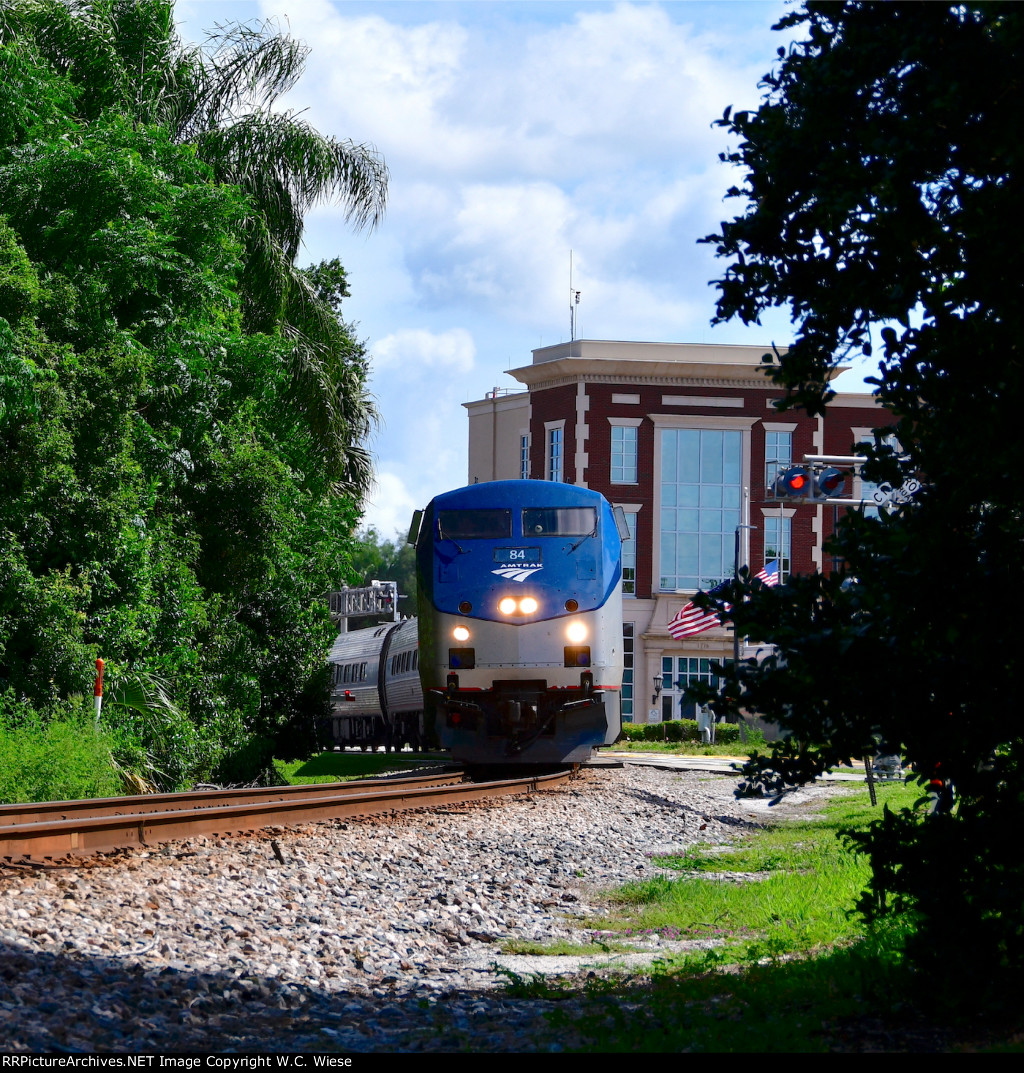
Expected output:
(574, 301)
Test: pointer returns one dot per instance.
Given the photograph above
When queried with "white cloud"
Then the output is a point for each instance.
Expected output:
(512, 140)
(599, 90)
(415, 349)
(390, 506)
(514, 133)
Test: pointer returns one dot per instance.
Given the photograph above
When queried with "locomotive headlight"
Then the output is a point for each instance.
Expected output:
(507, 606)
(460, 633)
(576, 632)
(528, 605)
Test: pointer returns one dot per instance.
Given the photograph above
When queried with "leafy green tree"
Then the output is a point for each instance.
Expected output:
(175, 494)
(125, 57)
(882, 178)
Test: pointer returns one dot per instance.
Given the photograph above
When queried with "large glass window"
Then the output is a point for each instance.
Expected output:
(627, 672)
(778, 455)
(479, 524)
(777, 542)
(524, 458)
(623, 454)
(700, 506)
(555, 454)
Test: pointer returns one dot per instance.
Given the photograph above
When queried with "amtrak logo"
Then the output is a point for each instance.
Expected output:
(516, 573)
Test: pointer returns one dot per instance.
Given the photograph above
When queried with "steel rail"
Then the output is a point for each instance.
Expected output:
(38, 811)
(98, 834)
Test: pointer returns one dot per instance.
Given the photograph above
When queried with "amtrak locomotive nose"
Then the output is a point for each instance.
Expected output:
(520, 621)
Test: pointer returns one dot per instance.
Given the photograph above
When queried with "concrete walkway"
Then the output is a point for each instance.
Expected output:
(721, 765)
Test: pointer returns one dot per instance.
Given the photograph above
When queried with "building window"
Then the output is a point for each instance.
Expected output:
(623, 454)
(778, 455)
(777, 542)
(554, 452)
(627, 672)
(629, 556)
(700, 506)
(524, 458)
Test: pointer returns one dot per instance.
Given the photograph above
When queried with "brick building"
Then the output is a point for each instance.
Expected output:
(685, 438)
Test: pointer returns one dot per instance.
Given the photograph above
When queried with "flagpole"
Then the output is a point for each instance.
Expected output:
(736, 577)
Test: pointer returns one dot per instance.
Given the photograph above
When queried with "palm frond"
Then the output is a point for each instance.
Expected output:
(147, 694)
(245, 68)
(287, 167)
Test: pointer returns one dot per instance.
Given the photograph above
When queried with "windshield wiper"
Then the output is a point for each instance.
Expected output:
(586, 536)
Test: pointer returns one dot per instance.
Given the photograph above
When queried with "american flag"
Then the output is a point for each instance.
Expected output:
(769, 573)
(693, 619)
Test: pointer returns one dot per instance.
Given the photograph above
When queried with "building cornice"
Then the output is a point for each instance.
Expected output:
(560, 374)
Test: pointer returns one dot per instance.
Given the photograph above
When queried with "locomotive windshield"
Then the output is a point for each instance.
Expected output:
(481, 524)
(559, 521)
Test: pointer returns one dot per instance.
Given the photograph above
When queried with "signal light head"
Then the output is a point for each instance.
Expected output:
(830, 482)
(794, 482)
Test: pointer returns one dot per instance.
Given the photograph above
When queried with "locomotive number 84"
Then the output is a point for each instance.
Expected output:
(520, 621)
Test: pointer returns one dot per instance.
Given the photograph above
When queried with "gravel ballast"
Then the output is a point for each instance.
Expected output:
(374, 935)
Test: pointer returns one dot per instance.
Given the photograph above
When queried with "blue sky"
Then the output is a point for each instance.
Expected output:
(515, 132)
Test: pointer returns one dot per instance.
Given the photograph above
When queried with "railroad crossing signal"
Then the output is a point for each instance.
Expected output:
(809, 483)
(819, 481)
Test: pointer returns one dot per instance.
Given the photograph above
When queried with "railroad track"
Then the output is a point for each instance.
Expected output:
(56, 829)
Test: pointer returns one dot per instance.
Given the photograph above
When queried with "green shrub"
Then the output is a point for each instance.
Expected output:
(679, 730)
(673, 731)
(727, 733)
(60, 756)
(752, 736)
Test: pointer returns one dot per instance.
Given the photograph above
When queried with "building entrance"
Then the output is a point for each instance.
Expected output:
(678, 673)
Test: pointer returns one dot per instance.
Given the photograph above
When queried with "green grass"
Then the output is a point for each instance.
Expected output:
(792, 969)
(807, 880)
(340, 767)
(683, 748)
(564, 948)
(806, 1006)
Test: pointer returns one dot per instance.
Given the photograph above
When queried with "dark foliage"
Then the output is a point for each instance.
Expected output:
(883, 172)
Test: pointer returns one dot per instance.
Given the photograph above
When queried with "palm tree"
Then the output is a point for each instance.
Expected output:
(220, 96)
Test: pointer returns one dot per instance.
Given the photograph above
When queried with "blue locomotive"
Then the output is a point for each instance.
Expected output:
(520, 621)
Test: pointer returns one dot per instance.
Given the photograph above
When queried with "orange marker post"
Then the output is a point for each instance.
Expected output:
(97, 691)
